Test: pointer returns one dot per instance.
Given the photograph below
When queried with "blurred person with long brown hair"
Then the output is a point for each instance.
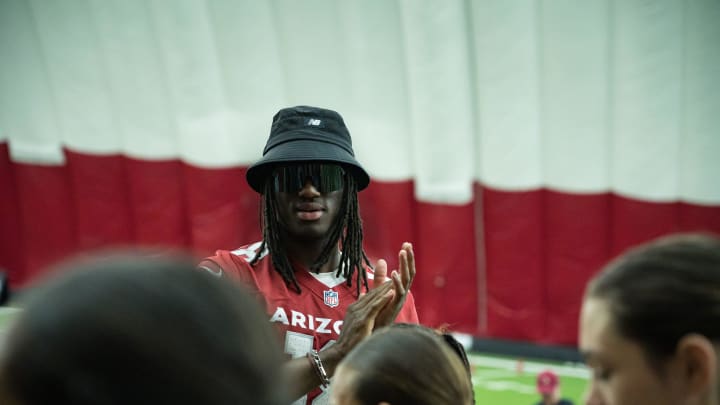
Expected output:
(650, 325)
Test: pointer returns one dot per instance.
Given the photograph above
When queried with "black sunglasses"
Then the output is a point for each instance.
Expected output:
(325, 177)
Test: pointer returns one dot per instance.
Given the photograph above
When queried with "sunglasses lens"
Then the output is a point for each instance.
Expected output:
(325, 177)
(284, 180)
(331, 178)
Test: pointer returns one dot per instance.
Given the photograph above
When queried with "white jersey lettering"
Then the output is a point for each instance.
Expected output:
(323, 323)
(298, 319)
(306, 321)
(280, 316)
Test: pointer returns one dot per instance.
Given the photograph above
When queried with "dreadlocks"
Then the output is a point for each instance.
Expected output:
(347, 229)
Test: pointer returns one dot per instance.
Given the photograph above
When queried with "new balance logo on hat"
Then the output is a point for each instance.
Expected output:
(314, 122)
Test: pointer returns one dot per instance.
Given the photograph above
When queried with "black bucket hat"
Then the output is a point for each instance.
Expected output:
(306, 134)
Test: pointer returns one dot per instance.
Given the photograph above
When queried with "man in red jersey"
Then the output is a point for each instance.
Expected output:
(310, 269)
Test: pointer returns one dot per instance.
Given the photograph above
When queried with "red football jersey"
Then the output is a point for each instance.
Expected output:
(306, 321)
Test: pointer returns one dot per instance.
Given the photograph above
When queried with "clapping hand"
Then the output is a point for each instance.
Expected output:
(401, 279)
(381, 305)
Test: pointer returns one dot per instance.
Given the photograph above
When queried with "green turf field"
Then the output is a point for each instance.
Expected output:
(6, 314)
(497, 380)
(510, 381)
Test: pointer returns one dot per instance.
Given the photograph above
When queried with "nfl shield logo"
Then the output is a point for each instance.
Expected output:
(331, 298)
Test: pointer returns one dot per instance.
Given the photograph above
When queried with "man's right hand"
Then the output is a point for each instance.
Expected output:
(360, 318)
(372, 310)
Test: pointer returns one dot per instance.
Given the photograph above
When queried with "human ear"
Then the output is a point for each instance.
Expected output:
(698, 364)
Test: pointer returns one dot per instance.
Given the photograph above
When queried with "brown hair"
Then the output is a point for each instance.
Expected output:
(660, 291)
(408, 364)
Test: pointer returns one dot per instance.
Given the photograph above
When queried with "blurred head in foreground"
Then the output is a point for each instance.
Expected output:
(125, 330)
(402, 364)
(650, 324)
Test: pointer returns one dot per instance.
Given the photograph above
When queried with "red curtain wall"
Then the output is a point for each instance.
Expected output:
(509, 264)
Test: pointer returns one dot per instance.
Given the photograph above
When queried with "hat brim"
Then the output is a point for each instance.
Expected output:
(304, 151)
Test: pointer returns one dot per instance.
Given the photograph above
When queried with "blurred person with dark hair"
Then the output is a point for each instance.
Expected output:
(4, 288)
(131, 330)
(404, 365)
(456, 347)
(650, 325)
(548, 386)
(310, 269)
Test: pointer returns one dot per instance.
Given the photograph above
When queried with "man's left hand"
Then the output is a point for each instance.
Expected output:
(402, 280)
